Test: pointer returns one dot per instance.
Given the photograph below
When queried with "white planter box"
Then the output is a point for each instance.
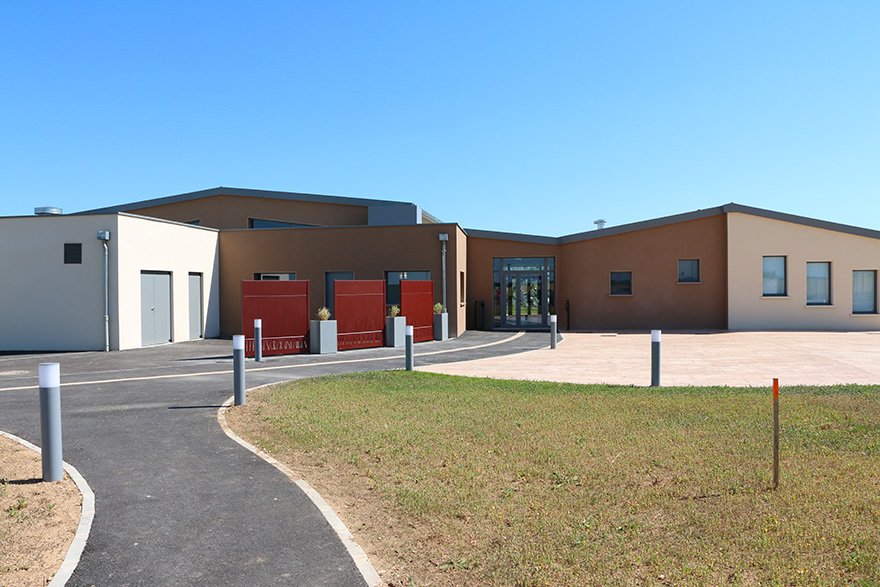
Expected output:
(322, 337)
(441, 326)
(395, 331)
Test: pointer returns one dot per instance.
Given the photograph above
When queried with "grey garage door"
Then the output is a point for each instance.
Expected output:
(155, 307)
(195, 306)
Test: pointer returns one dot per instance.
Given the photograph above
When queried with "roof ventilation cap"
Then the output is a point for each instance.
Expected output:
(600, 223)
(48, 211)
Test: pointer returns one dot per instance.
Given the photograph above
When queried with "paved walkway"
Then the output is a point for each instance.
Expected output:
(728, 358)
(177, 501)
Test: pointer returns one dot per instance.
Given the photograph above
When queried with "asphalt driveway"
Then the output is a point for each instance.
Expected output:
(177, 501)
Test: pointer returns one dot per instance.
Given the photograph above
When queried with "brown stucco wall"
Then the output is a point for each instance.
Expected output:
(368, 251)
(480, 252)
(658, 300)
(583, 273)
(234, 211)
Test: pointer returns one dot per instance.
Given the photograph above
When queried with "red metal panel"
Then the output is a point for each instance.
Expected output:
(283, 306)
(359, 307)
(417, 304)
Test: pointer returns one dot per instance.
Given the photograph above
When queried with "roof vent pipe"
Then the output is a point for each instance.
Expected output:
(600, 224)
(48, 211)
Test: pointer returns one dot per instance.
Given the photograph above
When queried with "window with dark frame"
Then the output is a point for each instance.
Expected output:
(688, 271)
(621, 283)
(864, 292)
(392, 283)
(260, 223)
(819, 284)
(774, 281)
(73, 253)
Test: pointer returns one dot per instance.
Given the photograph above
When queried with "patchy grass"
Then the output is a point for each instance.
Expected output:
(487, 482)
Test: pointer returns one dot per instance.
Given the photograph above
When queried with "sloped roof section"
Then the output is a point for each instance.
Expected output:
(674, 219)
(247, 193)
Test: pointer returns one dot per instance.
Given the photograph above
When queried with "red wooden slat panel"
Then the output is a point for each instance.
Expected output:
(359, 307)
(283, 306)
(417, 304)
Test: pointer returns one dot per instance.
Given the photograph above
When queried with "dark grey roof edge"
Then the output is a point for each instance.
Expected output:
(642, 225)
(597, 233)
(341, 226)
(511, 236)
(811, 222)
(245, 192)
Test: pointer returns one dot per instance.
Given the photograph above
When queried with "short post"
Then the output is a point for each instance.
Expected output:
(50, 421)
(238, 369)
(409, 348)
(655, 358)
(553, 331)
(258, 339)
(775, 433)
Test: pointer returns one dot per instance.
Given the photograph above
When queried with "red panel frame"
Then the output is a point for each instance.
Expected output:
(359, 308)
(283, 306)
(417, 304)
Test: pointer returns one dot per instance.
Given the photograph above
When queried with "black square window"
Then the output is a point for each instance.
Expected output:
(621, 283)
(73, 253)
(688, 270)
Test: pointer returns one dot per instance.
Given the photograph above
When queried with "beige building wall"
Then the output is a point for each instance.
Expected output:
(752, 237)
(368, 251)
(145, 244)
(44, 303)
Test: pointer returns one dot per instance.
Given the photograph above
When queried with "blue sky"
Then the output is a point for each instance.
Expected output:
(516, 116)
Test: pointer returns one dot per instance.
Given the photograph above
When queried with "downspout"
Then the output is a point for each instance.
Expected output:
(106, 297)
(443, 238)
(104, 236)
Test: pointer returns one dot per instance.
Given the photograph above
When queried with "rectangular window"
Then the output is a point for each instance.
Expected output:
(688, 270)
(393, 279)
(774, 276)
(73, 253)
(864, 292)
(259, 223)
(461, 289)
(621, 283)
(329, 287)
(275, 276)
(819, 284)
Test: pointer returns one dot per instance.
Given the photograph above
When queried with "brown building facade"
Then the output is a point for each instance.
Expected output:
(700, 270)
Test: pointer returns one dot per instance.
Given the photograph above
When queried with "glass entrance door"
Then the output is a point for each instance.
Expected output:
(526, 301)
(524, 292)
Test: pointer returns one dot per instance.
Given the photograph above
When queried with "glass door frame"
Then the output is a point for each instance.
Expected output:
(510, 275)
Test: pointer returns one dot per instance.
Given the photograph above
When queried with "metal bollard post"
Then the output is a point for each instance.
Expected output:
(655, 358)
(258, 339)
(409, 348)
(50, 421)
(553, 331)
(238, 369)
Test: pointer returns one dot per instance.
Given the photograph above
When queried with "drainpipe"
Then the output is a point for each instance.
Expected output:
(104, 236)
(443, 238)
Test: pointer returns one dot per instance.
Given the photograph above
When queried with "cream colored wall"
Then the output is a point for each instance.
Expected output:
(45, 304)
(153, 245)
(750, 238)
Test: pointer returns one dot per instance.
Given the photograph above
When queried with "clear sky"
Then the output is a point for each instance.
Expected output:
(535, 117)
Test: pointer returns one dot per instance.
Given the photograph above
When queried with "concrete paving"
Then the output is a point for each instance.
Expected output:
(750, 359)
(177, 501)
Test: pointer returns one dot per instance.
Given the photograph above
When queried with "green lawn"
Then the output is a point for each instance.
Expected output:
(525, 483)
